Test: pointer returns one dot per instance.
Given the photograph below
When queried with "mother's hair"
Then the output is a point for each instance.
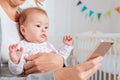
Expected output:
(39, 2)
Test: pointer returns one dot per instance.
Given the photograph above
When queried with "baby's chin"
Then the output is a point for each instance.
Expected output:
(41, 40)
(44, 40)
(37, 42)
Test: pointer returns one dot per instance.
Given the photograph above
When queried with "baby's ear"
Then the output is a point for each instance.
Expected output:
(22, 29)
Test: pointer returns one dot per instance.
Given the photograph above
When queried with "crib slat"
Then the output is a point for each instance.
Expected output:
(86, 42)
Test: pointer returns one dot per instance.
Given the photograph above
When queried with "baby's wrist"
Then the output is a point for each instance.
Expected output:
(68, 44)
(15, 61)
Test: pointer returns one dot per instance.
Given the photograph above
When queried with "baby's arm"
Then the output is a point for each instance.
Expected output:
(17, 60)
(66, 50)
(15, 53)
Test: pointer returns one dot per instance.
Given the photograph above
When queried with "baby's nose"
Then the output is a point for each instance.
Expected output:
(43, 30)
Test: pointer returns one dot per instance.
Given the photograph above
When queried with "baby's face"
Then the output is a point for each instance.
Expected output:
(36, 28)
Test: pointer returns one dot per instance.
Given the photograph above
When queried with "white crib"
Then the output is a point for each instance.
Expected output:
(83, 45)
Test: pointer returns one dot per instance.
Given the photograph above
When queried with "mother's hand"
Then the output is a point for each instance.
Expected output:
(43, 62)
(81, 71)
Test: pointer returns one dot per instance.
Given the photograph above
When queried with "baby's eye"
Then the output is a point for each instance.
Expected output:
(46, 27)
(38, 25)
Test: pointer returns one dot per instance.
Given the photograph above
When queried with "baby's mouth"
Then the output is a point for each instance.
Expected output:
(43, 36)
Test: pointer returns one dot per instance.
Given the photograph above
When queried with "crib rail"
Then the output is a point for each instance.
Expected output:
(100, 75)
(86, 42)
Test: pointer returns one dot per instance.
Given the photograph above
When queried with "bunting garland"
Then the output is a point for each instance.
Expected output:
(98, 14)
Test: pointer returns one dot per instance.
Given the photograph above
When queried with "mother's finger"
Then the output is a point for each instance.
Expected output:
(37, 69)
(29, 65)
(91, 71)
(32, 70)
(90, 64)
(32, 57)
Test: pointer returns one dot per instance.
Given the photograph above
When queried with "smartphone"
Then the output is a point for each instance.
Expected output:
(101, 49)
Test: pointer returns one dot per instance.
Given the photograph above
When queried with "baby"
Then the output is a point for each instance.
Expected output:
(34, 29)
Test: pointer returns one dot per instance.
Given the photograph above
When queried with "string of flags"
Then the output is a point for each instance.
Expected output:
(99, 14)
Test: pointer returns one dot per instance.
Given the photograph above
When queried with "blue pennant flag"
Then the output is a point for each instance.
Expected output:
(84, 8)
(91, 13)
(79, 3)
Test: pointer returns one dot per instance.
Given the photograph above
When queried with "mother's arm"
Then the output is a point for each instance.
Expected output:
(43, 62)
(79, 72)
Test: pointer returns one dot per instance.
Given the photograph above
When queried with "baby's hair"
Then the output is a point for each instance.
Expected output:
(24, 14)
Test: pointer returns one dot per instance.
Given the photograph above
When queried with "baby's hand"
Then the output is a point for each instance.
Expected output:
(67, 40)
(15, 53)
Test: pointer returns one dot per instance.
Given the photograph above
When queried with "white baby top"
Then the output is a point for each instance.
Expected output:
(30, 48)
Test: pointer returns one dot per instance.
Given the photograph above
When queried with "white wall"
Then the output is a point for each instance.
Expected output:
(61, 23)
(66, 18)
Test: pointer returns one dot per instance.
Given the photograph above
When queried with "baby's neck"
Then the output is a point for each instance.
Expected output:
(34, 42)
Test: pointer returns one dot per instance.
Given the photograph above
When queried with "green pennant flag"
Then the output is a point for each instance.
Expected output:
(99, 16)
(108, 13)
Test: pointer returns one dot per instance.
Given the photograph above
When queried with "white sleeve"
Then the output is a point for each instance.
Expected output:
(17, 69)
(65, 51)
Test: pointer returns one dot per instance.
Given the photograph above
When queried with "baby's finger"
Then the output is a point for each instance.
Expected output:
(19, 51)
(15, 47)
(69, 38)
(64, 38)
(10, 47)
